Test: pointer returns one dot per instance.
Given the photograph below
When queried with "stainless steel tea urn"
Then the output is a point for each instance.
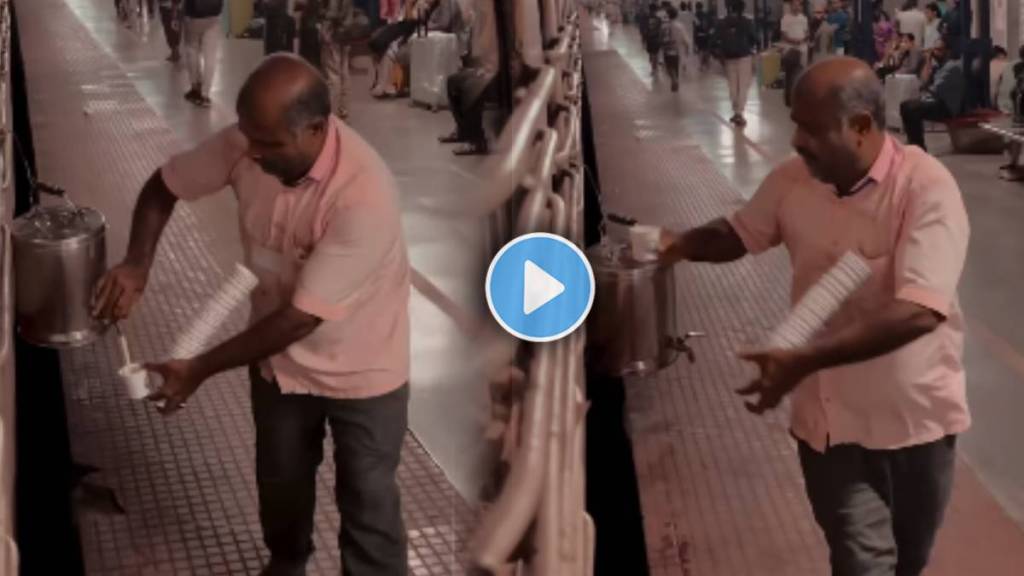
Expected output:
(632, 328)
(59, 255)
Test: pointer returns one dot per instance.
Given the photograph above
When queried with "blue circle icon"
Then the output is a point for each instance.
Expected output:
(540, 287)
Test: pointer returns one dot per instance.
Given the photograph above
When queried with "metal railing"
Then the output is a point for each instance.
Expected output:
(534, 183)
(8, 547)
(537, 522)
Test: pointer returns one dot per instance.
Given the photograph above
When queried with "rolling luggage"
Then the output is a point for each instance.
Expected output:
(433, 59)
(898, 89)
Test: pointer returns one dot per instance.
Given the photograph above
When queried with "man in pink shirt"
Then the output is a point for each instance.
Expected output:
(878, 396)
(328, 341)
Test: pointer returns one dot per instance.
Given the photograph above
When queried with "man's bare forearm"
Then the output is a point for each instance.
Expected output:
(715, 242)
(871, 336)
(263, 339)
(152, 211)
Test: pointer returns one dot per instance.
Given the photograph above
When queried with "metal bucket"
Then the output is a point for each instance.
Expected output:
(631, 329)
(59, 255)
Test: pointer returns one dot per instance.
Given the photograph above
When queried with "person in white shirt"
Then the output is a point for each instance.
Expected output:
(911, 20)
(795, 36)
(933, 16)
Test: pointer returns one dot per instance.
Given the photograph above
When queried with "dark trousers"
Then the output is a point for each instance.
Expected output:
(171, 21)
(915, 112)
(879, 509)
(792, 66)
(367, 436)
(672, 67)
(467, 90)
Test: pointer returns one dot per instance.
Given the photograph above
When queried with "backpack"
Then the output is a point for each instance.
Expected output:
(732, 38)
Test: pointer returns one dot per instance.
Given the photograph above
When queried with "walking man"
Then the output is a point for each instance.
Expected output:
(878, 396)
(337, 32)
(202, 43)
(170, 19)
(736, 39)
(328, 340)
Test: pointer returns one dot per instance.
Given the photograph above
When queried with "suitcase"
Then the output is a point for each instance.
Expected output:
(770, 68)
(433, 59)
(898, 89)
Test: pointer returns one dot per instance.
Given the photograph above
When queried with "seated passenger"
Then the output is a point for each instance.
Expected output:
(907, 58)
(942, 94)
(468, 88)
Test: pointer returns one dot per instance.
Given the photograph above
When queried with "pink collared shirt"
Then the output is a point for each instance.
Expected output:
(332, 246)
(908, 221)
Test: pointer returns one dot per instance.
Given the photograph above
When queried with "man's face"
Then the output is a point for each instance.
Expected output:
(281, 152)
(939, 52)
(825, 142)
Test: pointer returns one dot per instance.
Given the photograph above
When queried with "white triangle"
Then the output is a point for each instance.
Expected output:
(539, 287)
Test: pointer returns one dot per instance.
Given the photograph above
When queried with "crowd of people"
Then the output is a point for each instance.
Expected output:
(327, 32)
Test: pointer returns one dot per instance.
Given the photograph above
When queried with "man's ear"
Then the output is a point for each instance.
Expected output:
(317, 126)
(861, 123)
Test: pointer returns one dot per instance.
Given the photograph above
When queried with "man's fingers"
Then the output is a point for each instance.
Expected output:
(101, 295)
(125, 304)
(752, 388)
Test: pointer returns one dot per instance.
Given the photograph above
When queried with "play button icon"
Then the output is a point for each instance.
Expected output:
(540, 287)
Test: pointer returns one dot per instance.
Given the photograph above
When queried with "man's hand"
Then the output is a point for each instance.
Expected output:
(781, 372)
(118, 291)
(181, 378)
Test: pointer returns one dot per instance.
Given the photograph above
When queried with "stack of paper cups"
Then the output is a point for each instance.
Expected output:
(820, 302)
(232, 294)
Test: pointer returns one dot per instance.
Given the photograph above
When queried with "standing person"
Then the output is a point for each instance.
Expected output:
(652, 36)
(703, 27)
(279, 29)
(309, 30)
(795, 31)
(735, 38)
(951, 27)
(202, 44)
(942, 94)
(883, 30)
(170, 19)
(933, 15)
(879, 395)
(676, 45)
(839, 19)
(328, 340)
(341, 24)
(911, 20)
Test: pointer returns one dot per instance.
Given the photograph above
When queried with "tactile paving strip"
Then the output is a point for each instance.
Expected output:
(187, 482)
(720, 489)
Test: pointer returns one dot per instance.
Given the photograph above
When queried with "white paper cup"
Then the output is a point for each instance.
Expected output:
(136, 381)
(645, 241)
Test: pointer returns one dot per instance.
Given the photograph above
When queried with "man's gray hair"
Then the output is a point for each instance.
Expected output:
(859, 93)
(312, 104)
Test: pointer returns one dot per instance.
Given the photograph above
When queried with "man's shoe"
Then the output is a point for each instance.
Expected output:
(193, 95)
(741, 121)
(276, 568)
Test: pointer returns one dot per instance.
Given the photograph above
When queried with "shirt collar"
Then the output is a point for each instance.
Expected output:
(322, 168)
(880, 169)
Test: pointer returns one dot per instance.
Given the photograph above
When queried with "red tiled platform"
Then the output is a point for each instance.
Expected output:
(721, 490)
(187, 482)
